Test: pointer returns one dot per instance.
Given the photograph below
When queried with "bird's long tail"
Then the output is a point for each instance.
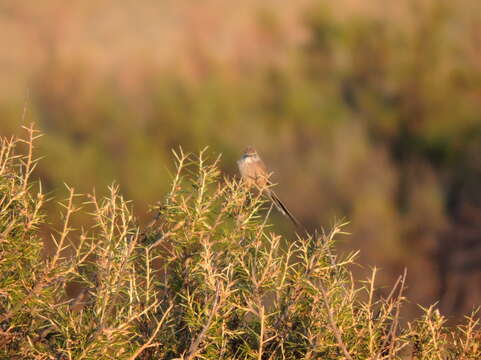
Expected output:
(283, 209)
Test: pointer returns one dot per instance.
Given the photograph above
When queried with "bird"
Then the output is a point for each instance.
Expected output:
(254, 174)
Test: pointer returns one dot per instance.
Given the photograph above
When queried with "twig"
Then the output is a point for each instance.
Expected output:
(396, 316)
(332, 322)
(194, 346)
(391, 334)
(261, 335)
(149, 343)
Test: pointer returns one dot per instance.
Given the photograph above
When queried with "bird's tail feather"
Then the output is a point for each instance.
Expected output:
(283, 209)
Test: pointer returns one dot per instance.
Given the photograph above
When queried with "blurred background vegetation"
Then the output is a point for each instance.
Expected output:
(365, 110)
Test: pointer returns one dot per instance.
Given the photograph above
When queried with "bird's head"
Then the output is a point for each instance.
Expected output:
(250, 151)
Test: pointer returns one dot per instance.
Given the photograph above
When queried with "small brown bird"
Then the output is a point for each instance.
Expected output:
(254, 173)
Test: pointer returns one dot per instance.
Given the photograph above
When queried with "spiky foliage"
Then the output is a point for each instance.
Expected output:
(208, 278)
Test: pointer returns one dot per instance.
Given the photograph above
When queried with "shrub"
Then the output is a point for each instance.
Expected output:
(208, 278)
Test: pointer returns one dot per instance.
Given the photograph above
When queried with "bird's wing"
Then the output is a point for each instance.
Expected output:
(261, 173)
